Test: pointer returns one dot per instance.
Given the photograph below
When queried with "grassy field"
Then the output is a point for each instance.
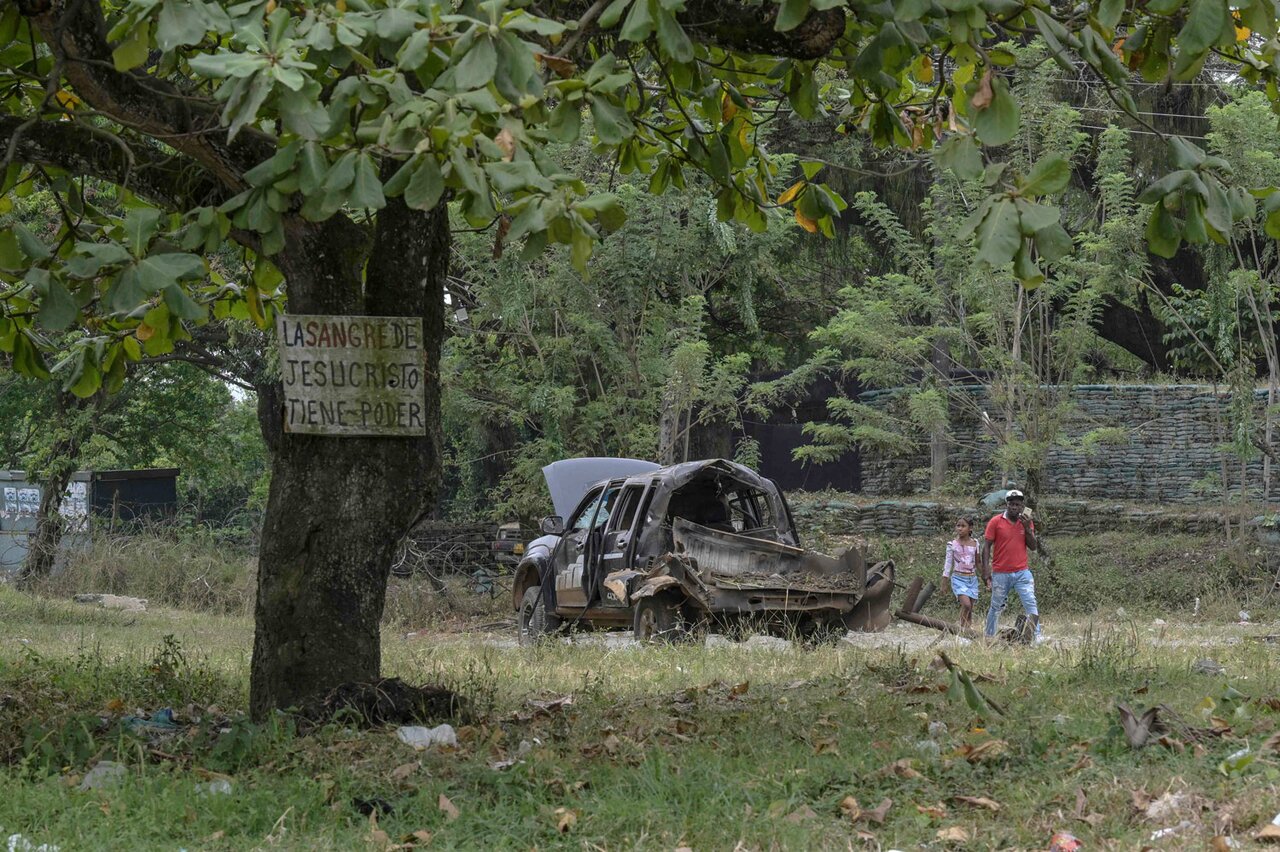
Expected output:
(601, 744)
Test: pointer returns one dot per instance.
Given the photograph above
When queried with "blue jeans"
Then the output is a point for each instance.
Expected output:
(1001, 584)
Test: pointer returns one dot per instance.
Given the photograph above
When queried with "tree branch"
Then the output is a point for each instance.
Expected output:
(75, 32)
(174, 181)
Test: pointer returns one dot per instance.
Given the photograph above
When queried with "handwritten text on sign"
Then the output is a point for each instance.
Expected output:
(352, 375)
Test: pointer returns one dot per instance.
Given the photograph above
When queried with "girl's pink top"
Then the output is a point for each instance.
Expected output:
(961, 558)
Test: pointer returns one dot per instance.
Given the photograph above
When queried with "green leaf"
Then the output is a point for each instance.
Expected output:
(312, 169)
(960, 154)
(1165, 185)
(1053, 243)
(999, 235)
(126, 292)
(1026, 270)
(181, 304)
(426, 186)
(612, 123)
(132, 52)
(997, 123)
(1204, 24)
(31, 245)
(304, 117)
(1109, 12)
(366, 189)
(57, 308)
(92, 257)
(414, 52)
(565, 124)
(179, 24)
(613, 13)
(791, 15)
(477, 66)
(1035, 217)
(672, 38)
(639, 22)
(1163, 236)
(1049, 176)
(515, 176)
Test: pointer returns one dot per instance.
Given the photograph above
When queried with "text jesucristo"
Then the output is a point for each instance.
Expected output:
(352, 375)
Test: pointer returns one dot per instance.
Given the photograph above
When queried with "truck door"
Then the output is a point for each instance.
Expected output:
(616, 545)
(581, 539)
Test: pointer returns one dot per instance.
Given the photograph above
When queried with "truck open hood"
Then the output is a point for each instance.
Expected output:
(569, 479)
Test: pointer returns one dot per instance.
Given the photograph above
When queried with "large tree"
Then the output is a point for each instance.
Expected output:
(334, 141)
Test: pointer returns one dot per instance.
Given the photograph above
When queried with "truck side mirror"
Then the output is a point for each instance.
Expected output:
(552, 525)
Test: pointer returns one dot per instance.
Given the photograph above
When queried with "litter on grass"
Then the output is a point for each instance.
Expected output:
(420, 737)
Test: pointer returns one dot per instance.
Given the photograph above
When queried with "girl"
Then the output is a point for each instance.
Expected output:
(961, 567)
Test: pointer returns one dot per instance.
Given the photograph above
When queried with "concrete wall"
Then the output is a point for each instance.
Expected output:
(1172, 435)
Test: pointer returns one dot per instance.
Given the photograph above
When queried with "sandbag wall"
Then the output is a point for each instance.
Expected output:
(899, 518)
(1166, 452)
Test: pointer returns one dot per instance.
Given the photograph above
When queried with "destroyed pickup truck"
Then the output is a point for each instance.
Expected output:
(671, 552)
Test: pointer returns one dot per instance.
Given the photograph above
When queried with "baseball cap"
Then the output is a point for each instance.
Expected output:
(1013, 492)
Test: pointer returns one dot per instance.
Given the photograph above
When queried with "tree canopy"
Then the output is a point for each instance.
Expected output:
(220, 121)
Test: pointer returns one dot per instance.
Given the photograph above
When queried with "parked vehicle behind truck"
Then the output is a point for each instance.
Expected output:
(703, 545)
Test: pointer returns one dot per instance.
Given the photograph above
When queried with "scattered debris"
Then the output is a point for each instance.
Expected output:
(1208, 666)
(954, 834)
(373, 805)
(1064, 841)
(106, 773)
(1172, 831)
(524, 748)
(216, 787)
(120, 602)
(1244, 616)
(1138, 728)
(937, 729)
(1270, 832)
(18, 843)
(420, 737)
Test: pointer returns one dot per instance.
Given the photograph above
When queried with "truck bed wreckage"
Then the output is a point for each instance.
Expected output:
(707, 545)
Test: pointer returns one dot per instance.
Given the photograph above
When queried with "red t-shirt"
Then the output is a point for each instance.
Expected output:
(1008, 544)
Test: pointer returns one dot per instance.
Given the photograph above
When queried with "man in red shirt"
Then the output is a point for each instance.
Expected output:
(1003, 560)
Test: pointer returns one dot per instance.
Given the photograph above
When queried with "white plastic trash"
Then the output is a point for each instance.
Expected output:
(420, 737)
(105, 774)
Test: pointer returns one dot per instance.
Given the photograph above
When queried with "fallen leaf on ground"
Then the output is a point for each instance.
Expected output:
(421, 837)
(988, 750)
(403, 771)
(849, 807)
(377, 836)
(954, 834)
(565, 820)
(740, 689)
(826, 746)
(880, 811)
(801, 814)
(902, 768)
(978, 802)
(1270, 833)
(937, 811)
(450, 809)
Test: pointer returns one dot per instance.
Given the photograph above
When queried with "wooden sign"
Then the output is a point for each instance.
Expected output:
(352, 375)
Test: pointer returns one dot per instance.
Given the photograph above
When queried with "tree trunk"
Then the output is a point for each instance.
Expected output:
(338, 506)
(76, 420)
(938, 446)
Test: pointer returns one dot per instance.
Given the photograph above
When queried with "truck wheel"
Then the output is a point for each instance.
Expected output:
(535, 622)
(658, 619)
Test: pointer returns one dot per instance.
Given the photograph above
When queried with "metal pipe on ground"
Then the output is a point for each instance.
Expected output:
(923, 597)
(936, 624)
(913, 590)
